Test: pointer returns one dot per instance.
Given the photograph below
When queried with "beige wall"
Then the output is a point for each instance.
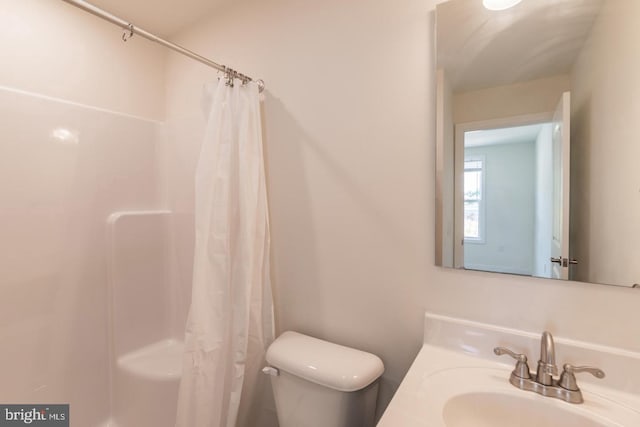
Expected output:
(532, 97)
(350, 141)
(347, 161)
(605, 150)
(55, 49)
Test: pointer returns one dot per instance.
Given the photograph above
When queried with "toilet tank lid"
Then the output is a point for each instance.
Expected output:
(331, 365)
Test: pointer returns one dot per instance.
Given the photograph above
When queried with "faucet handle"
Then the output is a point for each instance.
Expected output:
(522, 368)
(568, 377)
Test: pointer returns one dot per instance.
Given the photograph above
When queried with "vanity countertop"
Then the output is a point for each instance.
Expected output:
(457, 357)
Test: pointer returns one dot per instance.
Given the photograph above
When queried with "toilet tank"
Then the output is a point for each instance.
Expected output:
(320, 384)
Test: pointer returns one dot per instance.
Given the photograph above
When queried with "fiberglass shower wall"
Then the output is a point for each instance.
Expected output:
(79, 139)
(65, 169)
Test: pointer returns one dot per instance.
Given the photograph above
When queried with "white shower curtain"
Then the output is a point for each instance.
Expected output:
(230, 322)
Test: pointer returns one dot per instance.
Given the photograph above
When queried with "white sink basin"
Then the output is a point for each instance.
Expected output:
(457, 381)
(483, 397)
(498, 409)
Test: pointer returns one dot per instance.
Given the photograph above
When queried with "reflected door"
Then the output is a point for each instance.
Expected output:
(561, 157)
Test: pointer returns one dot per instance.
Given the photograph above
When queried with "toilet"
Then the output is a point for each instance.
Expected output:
(320, 384)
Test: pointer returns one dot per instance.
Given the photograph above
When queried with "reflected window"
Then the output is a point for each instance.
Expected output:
(474, 199)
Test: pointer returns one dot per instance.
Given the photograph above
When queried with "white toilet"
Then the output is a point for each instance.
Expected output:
(320, 384)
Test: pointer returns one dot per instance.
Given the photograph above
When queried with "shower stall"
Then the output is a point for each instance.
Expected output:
(96, 234)
(92, 312)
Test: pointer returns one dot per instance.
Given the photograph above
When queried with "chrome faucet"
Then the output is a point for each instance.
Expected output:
(547, 363)
(565, 388)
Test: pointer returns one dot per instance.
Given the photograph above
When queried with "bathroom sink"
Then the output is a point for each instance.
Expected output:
(457, 380)
(482, 397)
(497, 409)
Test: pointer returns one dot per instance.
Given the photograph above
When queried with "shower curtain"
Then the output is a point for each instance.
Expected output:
(230, 321)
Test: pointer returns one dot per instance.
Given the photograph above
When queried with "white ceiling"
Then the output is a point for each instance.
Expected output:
(162, 17)
(537, 38)
(512, 135)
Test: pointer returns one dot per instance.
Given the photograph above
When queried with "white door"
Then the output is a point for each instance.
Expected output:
(561, 156)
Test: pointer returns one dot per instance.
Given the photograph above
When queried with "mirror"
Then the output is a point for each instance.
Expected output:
(538, 116)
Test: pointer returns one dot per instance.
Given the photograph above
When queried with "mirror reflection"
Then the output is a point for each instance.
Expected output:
(537, 115)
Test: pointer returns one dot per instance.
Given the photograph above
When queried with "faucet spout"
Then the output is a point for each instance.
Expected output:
(547, 362)
(547, 349)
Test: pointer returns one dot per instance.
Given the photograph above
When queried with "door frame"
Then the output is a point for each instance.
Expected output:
(561, 248)
(458, 175)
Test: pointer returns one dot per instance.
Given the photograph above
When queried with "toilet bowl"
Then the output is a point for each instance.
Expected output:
(320, 384)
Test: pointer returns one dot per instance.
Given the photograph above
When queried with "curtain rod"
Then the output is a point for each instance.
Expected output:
(132, 29)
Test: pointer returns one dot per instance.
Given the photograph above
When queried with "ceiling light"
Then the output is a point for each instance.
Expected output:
(499, 4)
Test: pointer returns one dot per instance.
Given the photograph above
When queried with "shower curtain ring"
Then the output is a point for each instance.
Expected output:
(229, 76)
(126, 35)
